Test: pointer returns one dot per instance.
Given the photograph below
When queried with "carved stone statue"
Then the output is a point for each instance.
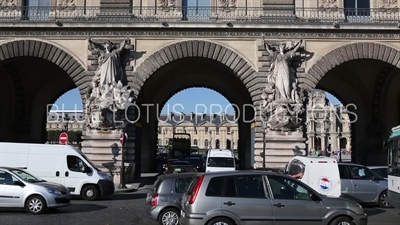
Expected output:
(166, 5)
(226, 5)
(107, 98)
(282, 99)
(282, 73)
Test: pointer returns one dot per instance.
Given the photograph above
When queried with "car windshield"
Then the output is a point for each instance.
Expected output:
(220, 162)
(26, 176)
(90, 162)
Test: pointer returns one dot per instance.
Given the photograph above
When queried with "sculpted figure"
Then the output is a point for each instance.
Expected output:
(282, 74)
(295, 94)
(110, 68)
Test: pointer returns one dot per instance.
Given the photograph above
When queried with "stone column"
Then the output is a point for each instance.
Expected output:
(323, 141)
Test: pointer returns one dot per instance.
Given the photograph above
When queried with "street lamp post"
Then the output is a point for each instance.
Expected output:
(263, 154)
(327, 126)
(340, 149)
(122, 184)
(66, 118)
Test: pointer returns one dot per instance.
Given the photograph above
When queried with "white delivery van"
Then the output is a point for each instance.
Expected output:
(63, 164)
(220, 160)
(320, 173)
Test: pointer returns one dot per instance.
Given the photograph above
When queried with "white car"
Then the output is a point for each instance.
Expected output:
(19, 189)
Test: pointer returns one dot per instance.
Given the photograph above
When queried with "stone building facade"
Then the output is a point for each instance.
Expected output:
(328, 125)
(206, 131)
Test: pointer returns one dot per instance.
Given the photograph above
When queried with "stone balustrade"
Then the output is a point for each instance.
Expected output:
(236, 14)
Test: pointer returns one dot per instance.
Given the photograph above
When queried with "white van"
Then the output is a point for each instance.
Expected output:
(63, 164)
(320, 173)
(220, 160)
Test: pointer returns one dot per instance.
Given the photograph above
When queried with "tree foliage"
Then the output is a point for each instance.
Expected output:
(74, 137)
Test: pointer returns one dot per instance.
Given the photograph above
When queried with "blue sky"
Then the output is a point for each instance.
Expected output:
(201, 98)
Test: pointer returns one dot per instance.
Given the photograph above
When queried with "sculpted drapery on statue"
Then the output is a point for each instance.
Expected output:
(108, 96)
(282, 99)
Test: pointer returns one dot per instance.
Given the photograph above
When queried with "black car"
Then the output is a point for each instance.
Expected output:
(196, 162)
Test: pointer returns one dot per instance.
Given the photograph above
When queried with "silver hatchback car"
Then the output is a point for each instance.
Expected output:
(261, 197)
(164, 199)
(19, 189)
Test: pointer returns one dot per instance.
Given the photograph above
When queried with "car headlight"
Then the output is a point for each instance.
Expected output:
(104, 176)
(53, 191)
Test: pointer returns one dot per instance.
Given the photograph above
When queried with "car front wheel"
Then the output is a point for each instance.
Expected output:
(36, 204)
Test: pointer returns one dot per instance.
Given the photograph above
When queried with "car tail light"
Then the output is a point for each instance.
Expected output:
(196, 189)
(154, 200)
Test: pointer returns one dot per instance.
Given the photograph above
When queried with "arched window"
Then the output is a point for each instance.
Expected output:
(206, 143)
(217, 144)
(318, 144)
(343, 143)
(228, 144)
(195, 142)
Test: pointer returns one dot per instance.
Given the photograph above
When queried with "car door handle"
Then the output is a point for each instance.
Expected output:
(279, 205)
(66, 173)
(229, 203)
(57, 173)
(356, 185)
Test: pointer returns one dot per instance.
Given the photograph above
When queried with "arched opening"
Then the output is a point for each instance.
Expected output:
(186, 73)
(66, 115)
(217, 144)
(343, 144)
(28, 87)
(366, 84)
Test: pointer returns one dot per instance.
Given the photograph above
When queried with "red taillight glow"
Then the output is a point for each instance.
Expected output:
(196, 189)
(154, 200)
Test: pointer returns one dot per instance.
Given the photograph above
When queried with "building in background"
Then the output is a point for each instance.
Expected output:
(207, 131)
(67, 120)
(328, 125)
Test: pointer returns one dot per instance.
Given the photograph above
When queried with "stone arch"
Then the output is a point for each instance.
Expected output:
(348, 52)
(49, 52)
(197, 48)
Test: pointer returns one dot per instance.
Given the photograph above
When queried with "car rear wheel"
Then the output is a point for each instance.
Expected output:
(220, 221)
(342, 221)
(383, 200)
(36, 204)
(169, 217)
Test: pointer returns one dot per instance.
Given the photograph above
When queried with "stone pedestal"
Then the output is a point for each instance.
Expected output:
(104, 150)
(280, 147)
(114, 169)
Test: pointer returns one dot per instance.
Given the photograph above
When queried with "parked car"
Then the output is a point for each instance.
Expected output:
(197, 162)
(163, 200)
(380, 170)
(180, 169)
(362, 185)
(19, 189)
(238, 197)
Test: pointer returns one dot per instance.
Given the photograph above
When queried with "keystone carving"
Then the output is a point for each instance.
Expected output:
(167, 5)
(283, 102)
(388, 6)
(328, 5)
(66, 5)
(226, 5)
(7, 5)
(109, 96)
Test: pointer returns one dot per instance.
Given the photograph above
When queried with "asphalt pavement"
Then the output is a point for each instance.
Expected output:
(127, 209)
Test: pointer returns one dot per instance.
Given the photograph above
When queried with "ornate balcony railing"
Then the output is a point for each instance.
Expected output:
(200, 14)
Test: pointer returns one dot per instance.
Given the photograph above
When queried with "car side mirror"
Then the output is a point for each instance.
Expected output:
(19, 183)
(314, 197)
(87, 169)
